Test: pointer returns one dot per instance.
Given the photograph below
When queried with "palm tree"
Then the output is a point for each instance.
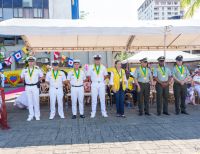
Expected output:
(191, 6)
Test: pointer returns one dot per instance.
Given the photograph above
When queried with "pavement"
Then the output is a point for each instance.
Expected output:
(132, 135)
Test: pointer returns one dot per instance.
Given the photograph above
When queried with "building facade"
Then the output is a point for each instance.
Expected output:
(160, 10)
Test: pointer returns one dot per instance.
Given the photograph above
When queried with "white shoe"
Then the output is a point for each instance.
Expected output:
(29, 119)
(51, 117)
(62, 117)
(37, 118)
(105, 115)
(92, 115)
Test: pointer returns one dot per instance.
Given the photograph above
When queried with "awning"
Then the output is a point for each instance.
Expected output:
(81, 35)
(152, 56)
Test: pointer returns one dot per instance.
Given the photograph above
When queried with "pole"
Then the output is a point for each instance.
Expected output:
(165, 36)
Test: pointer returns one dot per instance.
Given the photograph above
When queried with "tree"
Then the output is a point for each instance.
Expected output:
(191, 6)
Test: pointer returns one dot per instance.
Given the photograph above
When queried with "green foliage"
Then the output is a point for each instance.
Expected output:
(191, 6)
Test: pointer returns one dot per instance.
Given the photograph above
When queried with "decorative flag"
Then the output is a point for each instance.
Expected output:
(8, 61)
(63, 58)
(56, 55)
(24, 49)
(70, 62)
(18, 55)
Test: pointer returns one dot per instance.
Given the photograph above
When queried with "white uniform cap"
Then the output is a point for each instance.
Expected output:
(97, 56)
(55, 62)
(31, 58)
(77, 61)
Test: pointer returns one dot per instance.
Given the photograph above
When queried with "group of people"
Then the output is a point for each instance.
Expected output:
(118, 83)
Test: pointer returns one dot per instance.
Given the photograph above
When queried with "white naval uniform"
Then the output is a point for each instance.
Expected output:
(197, 86)
(98, 88)
(77, 91)
(32, 91)
(56, 91)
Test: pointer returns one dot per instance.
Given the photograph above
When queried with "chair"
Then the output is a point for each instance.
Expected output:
(44, 93)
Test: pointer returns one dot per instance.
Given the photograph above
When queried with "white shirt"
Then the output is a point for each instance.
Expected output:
(73, 80)
(58, 82)
(2, 80)
(196, 78)
(97, 77)
(37, 73)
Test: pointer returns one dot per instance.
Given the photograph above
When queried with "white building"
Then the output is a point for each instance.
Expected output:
(159, 10)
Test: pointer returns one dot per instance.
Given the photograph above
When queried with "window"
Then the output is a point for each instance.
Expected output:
(176, 8)
(38, 13)
(169, 13)
(169, 8)
(155, 18)
(27, 13)
(176, 13)
(169, 3)
(163, 13)
(7, 3)
(0, 3)
(175, 3)
(18, 13)
(17, 3)
(38, 3)
(155, 13)
(156, 8)
(27, 3)
(1, 12)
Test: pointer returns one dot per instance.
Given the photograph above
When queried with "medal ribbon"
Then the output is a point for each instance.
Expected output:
(31, 72)
(55, 75)
(144, 72)
(120, 76)
(77, 74)
(180, 70)
(97, 69)
(162, 70)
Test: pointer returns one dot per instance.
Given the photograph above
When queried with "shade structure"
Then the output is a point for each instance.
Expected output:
(152, 56)
(81, 35)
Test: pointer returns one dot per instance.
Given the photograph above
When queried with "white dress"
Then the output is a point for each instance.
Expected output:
(21, 101)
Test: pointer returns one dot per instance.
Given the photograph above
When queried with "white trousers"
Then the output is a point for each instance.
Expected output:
(56, 94)
(98, 89)
(197, 88)
(32, 93)
(77, 93)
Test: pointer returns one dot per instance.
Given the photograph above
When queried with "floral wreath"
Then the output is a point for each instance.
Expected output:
(13, 83)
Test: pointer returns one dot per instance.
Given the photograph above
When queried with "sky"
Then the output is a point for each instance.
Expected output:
(109, 9)
(114, 9)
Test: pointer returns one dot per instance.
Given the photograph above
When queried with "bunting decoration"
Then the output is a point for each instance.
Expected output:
(8, 61)
(18, 55)
(56, 55)
(70, 62)
(24, 49)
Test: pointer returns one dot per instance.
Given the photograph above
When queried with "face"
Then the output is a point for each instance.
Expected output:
(161, 63)
(76, 65)
(31, 63)
(55, 67)
(144, 64)
(179, 63)
(118, 65)
(97, 61)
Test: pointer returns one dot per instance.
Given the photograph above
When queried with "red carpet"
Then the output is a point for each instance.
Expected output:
(15, 91)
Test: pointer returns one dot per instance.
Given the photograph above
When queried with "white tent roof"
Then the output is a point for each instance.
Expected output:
(79, 35)
(152, 56)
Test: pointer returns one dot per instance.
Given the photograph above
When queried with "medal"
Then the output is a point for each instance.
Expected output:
(97, 69)
(55, 76)
(30, 73)
(162, 70)
(144, 72)
(181, 70)
(77, 74)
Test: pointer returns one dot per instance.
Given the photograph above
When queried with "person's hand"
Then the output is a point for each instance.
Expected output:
(182, 83)
(138, 88)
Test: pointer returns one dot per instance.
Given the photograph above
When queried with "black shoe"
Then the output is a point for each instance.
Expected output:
(74, 117)
(166, 113)
(146, 113)
(158, 114)
(123, 116)
(184, 112)
(140, 114)
(82, 116)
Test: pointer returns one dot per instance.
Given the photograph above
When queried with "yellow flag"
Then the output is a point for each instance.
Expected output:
(25, 50)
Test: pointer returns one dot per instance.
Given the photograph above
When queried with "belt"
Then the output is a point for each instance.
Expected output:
(97, 82)
(77, 86)
(143, 82)
(35, 84)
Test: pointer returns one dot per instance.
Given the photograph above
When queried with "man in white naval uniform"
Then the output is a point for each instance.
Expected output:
(31, 76)
(97, 74)
(56, 78)
(76, 78)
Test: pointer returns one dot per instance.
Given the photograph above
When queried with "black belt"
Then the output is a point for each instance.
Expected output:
(35, 84)
(77, 86)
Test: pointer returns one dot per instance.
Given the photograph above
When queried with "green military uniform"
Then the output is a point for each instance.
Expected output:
(143, 76)
(162, 93)
(180, 91)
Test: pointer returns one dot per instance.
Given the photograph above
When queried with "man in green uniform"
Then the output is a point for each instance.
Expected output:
(162, 75)
(181, 76)
(142, 77)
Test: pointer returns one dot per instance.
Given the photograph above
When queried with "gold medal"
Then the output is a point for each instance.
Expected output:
(145, 78)
(182, 75)
(164, 76)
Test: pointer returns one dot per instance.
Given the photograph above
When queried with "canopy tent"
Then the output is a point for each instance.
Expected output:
(80, 35)
(152, 56)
